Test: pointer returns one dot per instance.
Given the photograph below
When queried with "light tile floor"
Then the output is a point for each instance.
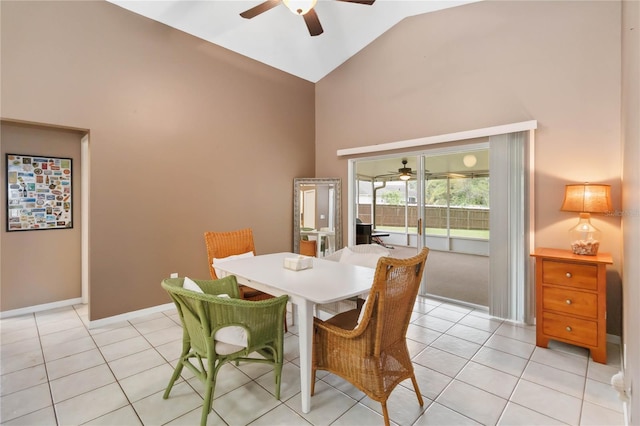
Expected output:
(471, 369)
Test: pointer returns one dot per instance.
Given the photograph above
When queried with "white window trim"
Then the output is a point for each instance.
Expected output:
(520, 304)
(449, 137)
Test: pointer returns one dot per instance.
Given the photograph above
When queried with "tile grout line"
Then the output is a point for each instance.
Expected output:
(110, 369)
(46, 371)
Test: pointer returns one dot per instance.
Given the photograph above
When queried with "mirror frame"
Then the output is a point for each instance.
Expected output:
(297, 184)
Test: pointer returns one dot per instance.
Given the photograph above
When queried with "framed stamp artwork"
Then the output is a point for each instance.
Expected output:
(39, 192)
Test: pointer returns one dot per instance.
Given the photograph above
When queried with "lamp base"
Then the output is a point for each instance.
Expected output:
(585, 247)
(584, 237)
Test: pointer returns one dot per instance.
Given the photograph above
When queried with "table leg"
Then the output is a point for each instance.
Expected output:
(305, 334)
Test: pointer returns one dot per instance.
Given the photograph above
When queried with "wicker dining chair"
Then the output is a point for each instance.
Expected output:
(218, 330)
(231, 243)
(368, 347)
(308, 247)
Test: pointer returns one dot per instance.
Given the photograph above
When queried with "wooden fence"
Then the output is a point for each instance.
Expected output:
(436, 216)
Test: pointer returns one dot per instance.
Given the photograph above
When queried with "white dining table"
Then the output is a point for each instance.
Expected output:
(325, 282)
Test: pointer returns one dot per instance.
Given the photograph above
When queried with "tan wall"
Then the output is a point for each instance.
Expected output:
(491, 63)
(631, 200)
(185, 137)
(486, 64)
(43, 266)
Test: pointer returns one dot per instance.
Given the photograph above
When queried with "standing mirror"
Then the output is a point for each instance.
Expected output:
(317, 214)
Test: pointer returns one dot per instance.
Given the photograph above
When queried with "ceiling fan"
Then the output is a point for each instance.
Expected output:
(299, 7)
(405, 172)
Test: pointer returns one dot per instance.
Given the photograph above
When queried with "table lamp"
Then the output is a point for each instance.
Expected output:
(586, 198)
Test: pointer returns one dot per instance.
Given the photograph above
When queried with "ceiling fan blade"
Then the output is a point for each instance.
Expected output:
(367, 2)
(313, 23)
(261, 8)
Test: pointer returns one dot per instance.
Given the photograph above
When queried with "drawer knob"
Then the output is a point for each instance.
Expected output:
(568, 301)
(568, 274)
(568, 328)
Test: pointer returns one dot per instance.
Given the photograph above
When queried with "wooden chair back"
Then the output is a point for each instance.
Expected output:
(308, 247)
(225, 244)
(395, 288)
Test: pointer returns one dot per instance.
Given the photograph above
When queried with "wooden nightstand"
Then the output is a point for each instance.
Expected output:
(571, 299)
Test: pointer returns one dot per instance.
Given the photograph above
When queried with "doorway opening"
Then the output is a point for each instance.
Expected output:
(511, 155)
(438, 199)
(60, 275)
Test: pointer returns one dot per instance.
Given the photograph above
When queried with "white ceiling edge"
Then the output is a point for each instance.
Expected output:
(278, 37)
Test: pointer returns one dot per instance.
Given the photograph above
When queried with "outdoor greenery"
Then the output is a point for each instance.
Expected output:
(465, 192)
(462, 193)
(394, 198)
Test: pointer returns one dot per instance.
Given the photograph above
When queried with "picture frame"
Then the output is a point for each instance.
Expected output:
(39, 192)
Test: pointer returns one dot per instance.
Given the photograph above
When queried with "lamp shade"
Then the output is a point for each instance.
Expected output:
(300, 7)
(587, 198)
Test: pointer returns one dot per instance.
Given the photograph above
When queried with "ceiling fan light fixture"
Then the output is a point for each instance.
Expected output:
(405, 172)
(300, 7)
(469, 160)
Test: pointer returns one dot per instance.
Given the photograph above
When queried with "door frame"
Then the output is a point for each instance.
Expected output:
(84, 214)
(519, 306)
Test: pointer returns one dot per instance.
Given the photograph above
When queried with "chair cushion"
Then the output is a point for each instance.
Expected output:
(345, 320)
(364, 306)
(215, 261)
(350, 319)
(370, 260)
(190, 284)
(232, 335)
(232, 338)
(226, 348)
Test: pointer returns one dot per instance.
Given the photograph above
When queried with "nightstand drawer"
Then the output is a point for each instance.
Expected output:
(570, 274)
(570, 301)
(571, 329)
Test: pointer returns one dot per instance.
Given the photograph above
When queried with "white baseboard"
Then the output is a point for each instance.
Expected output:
(443, 299)
(612, 338)
(130, 315)
(92, 324)
(39, 308)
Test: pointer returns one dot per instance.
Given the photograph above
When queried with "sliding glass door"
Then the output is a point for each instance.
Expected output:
(454, 222)
(455, 200)
(437, 197)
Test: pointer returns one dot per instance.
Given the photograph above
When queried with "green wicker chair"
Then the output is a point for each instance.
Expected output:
(205, 349)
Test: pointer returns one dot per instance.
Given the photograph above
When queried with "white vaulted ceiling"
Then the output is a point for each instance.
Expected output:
(278, 37)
